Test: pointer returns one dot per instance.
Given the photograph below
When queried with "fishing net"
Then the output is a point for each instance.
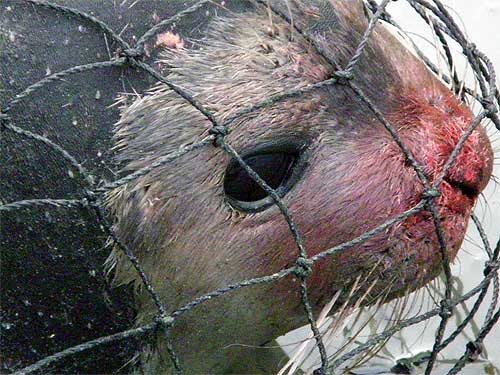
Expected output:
(77, 209)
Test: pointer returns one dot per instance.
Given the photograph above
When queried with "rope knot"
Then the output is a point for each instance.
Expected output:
(219, 132)
(474, 350)
(446, 308)
(431, 194)
(131, 53)
(304, 268)
(490, 266)
(343, 76)
(165, 320)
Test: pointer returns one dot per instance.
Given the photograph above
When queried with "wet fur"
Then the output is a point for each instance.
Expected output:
(188, 238)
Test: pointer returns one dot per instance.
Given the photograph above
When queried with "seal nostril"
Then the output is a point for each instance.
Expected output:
(468, 190)
(280, 167)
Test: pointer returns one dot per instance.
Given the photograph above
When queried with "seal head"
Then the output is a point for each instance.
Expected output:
(200, 223)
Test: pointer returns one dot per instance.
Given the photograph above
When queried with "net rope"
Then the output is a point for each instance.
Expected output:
(437, 16)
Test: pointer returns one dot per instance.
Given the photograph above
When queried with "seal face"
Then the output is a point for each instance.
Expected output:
(201, 223)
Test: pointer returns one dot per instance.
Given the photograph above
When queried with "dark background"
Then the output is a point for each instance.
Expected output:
(54, 293)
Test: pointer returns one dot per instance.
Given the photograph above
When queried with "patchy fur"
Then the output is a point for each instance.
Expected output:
(169, 40)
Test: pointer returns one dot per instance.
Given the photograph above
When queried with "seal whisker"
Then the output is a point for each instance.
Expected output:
(363, 357)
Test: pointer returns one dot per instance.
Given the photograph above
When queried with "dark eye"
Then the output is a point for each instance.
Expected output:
(273, 168)
(279, 169)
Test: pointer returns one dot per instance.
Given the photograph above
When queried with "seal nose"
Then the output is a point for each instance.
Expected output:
(434, 122)
(473, 167)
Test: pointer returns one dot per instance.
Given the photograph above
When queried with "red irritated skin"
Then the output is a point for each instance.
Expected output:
(430, 123)
(191, 240)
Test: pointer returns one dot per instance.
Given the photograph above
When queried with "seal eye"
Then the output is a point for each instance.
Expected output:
(273, 168)
(279, 169)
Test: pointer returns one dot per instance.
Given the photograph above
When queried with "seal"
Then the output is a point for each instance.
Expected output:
(201, 223)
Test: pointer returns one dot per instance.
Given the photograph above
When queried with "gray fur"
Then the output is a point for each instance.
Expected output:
(190, 240)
